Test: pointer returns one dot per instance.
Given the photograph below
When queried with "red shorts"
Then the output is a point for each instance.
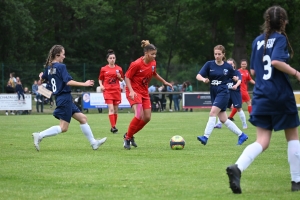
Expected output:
(139, 99)
(111, 101)
(245, 97)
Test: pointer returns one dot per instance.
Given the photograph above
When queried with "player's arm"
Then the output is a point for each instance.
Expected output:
(81, 84)
(282, 66)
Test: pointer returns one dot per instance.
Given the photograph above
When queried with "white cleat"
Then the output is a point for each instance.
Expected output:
(98, 143)
(245, 126)
(36, 140)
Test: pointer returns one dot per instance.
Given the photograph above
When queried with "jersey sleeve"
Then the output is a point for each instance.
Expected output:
(204, 71)
(132, 70)
(66, 77)
(101, 74)
(279, 49)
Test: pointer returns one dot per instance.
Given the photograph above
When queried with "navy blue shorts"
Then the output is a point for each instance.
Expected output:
(221, 101)
(235, 99)
(276, 122)
(65, 108)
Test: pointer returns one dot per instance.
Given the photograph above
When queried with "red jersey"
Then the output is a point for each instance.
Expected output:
(245, 79)
(140, 75)
(110, 81)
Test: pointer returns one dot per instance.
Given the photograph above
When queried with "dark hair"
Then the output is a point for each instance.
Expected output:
(222, 49)
(275, 20)
(147, 46)
(243, 60)
(110, 52)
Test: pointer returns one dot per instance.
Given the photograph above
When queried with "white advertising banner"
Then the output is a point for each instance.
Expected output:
(11, 102)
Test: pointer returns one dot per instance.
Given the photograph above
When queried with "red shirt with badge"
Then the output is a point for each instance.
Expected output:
(110, 81)
(140, 75)
(245, 79)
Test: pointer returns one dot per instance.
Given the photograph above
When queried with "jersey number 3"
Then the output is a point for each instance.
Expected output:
(267, 67)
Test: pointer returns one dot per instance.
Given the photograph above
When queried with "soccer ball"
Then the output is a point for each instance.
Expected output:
(177, 142)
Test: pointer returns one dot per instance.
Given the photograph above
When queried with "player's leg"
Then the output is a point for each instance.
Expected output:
(111, 115)
(86, 129)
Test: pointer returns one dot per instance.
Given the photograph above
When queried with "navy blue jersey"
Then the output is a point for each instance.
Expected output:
(272, 93)
(58, 78)
(218, 75)
(232, 82)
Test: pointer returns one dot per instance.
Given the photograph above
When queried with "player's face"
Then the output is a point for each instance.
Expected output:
(150, 55)
(111, 59)
(60, 58)
(230, 62)
(218, 55)
(244, 65)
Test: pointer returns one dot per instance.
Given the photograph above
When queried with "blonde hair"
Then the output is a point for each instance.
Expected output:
(234, 63)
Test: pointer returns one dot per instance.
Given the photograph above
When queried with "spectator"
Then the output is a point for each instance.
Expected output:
(176, 97)
(122, 86)
(19, 90)
(169, 89)
(40, 99)
(10, 90)
(12, 79)
(188, 88)
(34, 90)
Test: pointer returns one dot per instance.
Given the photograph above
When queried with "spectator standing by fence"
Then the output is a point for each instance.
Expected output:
(10, 90)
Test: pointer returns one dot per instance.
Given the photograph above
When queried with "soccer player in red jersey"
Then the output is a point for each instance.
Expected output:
(137, 79)
(109, 78)
(244, 88)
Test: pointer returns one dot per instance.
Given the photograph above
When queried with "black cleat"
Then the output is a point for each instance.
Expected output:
(234, 175)
(231, 118)
(131, 140)
(114, 130)
(295, 186)
(127, 144)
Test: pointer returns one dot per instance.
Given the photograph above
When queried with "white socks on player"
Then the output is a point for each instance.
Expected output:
(52, 131)
(231, 126)
(86, 129)
(248, 155)
(243, 118)
(294, 159)
(209, 126)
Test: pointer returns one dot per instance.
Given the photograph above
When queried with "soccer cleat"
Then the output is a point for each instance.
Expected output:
(231, 118)
(218, 125)
(132, 142)
(295, 186)
(242, 139)
(245, 126)
(127, 144)
(36, 140)
(114, 130)
(234, 175)
(98, 143)
(202, 139)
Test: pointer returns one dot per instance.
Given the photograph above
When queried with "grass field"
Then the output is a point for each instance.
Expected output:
(67, 167)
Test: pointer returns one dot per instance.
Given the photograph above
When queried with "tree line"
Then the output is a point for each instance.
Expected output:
(184, 31)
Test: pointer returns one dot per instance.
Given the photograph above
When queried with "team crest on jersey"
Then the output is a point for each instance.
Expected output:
(153, 67)
(225, 72)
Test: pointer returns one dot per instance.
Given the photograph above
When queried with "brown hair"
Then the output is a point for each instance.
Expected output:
(54, 51)
(110, 52)
(275, 20)
(147, 46)
(222, 49)
(234, 63)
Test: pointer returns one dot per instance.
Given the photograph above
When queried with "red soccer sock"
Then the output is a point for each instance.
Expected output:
(234, 110)
(249, 109)
(112, 120)
(140, 126)
(132, 128)
(116, 118)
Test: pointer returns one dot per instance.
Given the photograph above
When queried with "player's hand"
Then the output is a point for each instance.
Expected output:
(205, 80)
(132, 95)
(41, 74)
(89, 82)
(102, 88)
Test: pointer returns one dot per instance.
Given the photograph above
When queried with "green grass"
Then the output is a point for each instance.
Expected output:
(67, 167)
